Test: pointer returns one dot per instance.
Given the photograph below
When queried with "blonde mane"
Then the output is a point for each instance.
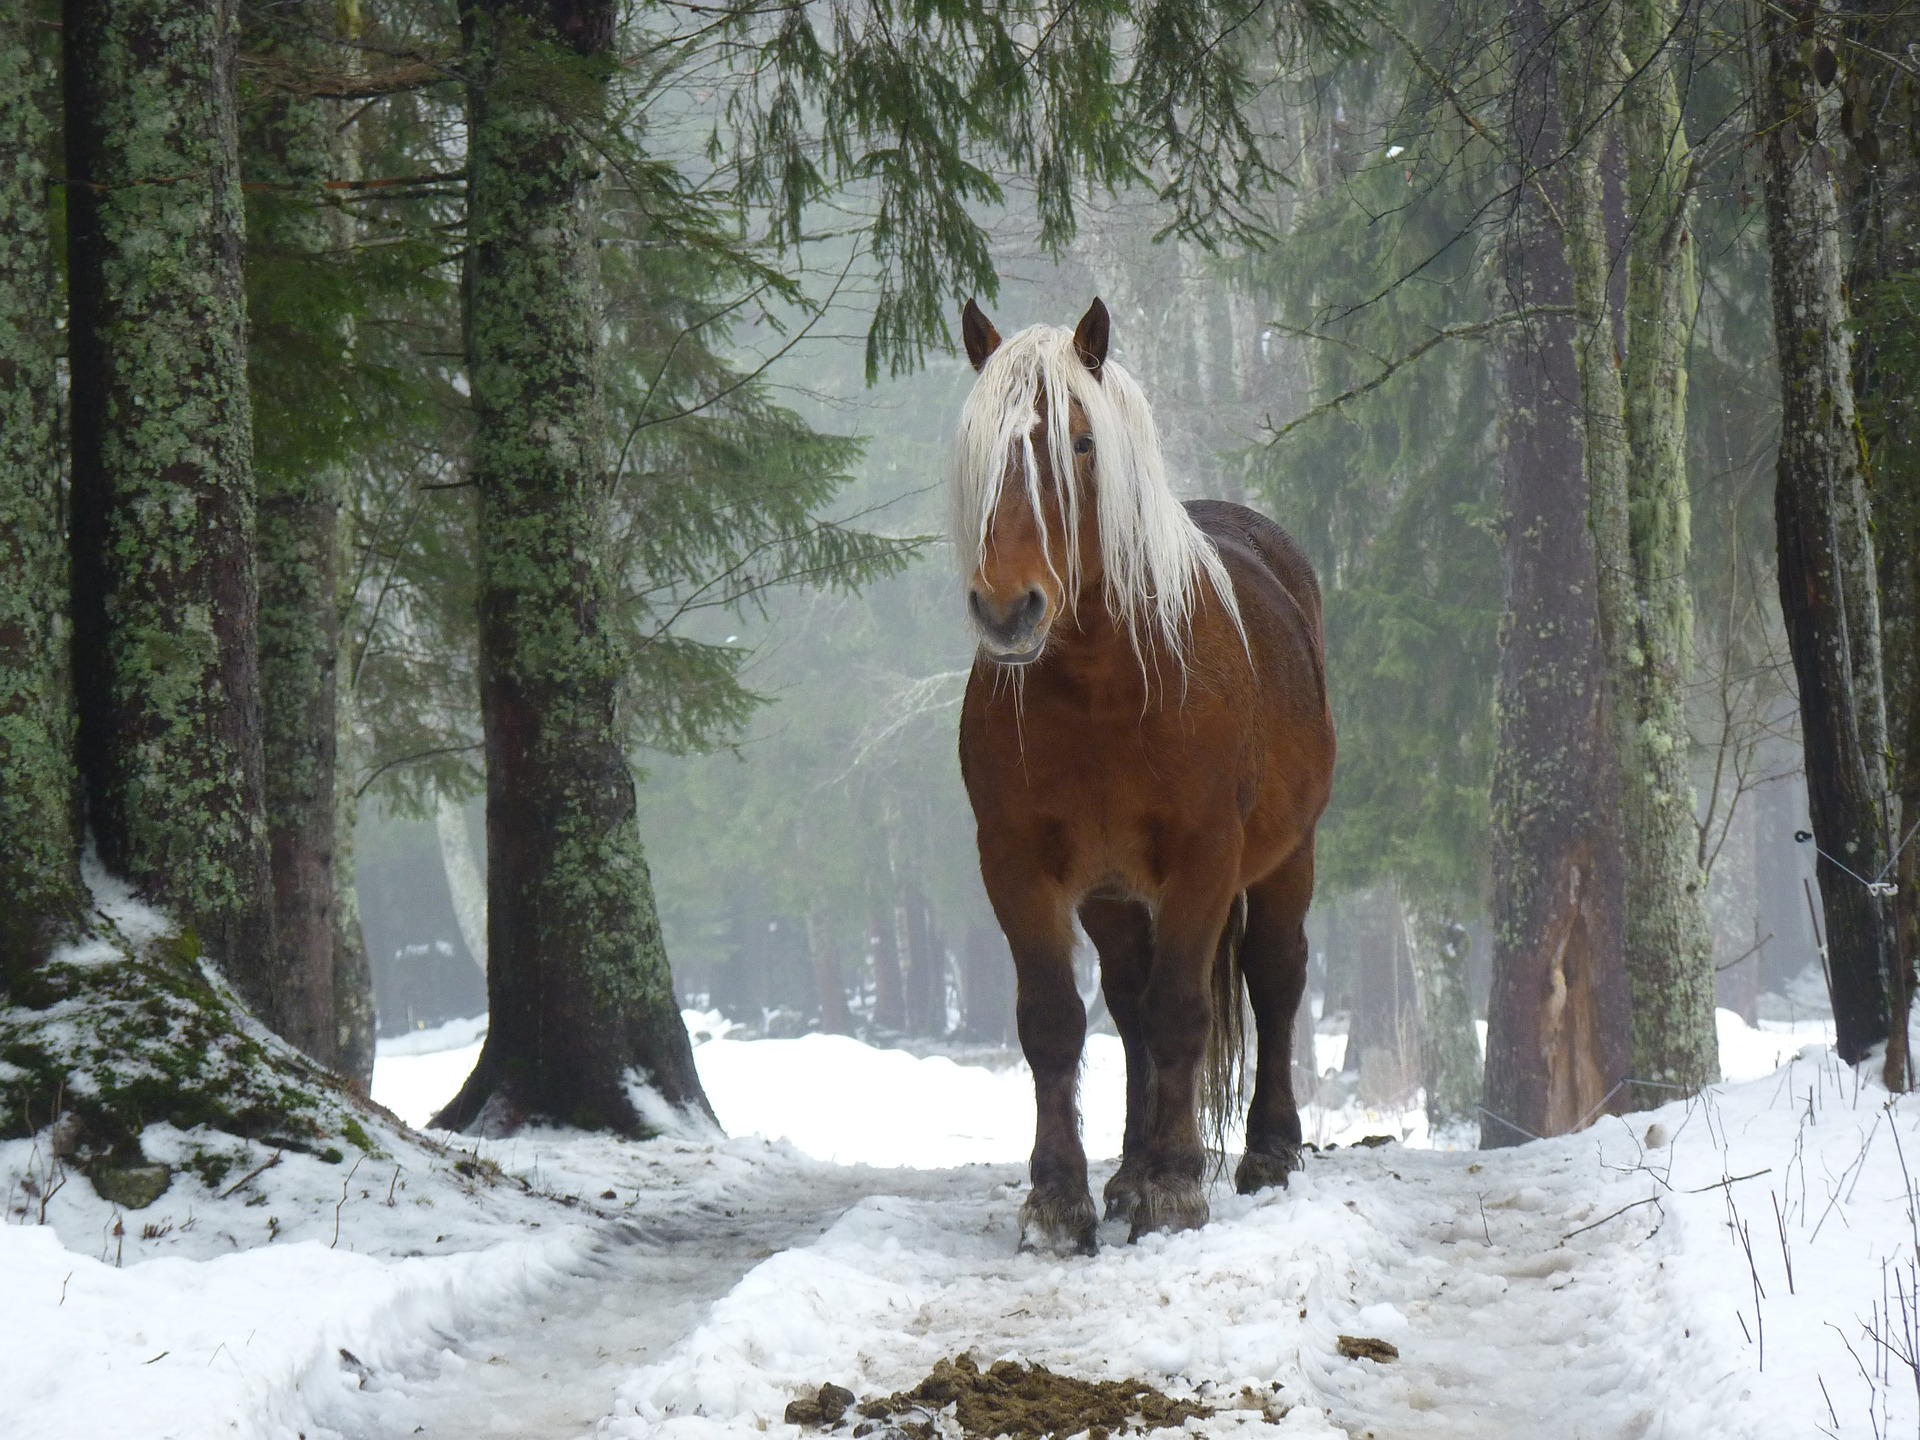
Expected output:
(1155, 556)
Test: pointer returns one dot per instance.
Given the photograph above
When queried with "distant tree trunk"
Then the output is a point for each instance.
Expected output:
(889, 997)
(1883, 286)
(829, 990)
(41, 898)
(581, 1000)
(1827, 568)
(289, 142)
(1617, 61)
(1558, 1021)
(1384, 1035)
(989, 984)
(926, 969)
(165, 609)
(1449, 1044)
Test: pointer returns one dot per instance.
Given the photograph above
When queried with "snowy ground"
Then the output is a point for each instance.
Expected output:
(1740, 1266)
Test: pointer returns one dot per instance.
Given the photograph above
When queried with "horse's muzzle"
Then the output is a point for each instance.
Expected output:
(1013, 633)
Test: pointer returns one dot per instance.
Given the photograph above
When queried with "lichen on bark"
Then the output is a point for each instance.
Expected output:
(1828, 591)
(41, 900)
(1617, 61)
(163, 518)
(581, 1001)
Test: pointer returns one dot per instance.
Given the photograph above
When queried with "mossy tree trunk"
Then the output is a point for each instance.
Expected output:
(41, 897)
(1558, 1020)
(582, 1004)
(1617, 81)
(1828, 591)
(1883, 286)
(290, 146)
(163, 515)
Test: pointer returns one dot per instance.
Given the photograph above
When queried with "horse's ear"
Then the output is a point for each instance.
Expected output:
(1090, 337)
(978, 333)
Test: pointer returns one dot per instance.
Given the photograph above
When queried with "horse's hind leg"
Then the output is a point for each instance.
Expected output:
(1273, 958)
(1176, 1016)
(1122, 931)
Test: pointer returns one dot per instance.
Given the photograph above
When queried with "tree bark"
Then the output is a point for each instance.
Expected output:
(165, 608)
(1615, 61)
(1883, 205)
(1558, 1017)
(41, 898)
(1827, 568)
(582, 1003)
(1649, 638)
(290, 143)
(1449, 1045)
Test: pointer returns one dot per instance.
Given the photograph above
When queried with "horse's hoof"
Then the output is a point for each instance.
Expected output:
(1058, 1220)
(1265, 1169)
(1122, 1193)
(1168, 1202)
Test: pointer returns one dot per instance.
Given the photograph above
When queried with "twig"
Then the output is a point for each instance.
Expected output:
(255, 1173)
(1650, 1200)
(1731, 1180)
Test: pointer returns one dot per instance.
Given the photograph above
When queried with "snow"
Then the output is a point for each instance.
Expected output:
(860, 1225)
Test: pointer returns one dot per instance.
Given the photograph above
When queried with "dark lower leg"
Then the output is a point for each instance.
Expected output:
(1053, 1025)
(1274, 963)
(1122, 932)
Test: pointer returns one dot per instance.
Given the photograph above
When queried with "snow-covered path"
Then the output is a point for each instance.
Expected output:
(549, 1368)
(1505, 1327)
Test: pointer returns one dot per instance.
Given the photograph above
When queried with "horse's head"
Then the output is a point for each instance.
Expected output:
(1037, 532)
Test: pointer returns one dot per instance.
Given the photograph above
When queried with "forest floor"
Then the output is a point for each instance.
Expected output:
(1743, 1265)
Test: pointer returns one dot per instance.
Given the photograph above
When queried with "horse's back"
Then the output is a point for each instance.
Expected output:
(1234, 528)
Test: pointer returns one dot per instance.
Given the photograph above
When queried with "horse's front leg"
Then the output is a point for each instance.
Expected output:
(1177, 1018)
(1052, 1020)
(1122, 931)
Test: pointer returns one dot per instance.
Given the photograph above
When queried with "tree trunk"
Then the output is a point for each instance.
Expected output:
(926, 969)
(1884, 212)
(989, 984)
(889, 997)
(1649, 639)
(1383, 1036)
(1558, 1019)
(1637, 510)
(41, 898)
(356, 1022)
(1827, 568)
(582, 1004)
(1449, 1045)
(829, 992)
(163, 521)
(290, 143)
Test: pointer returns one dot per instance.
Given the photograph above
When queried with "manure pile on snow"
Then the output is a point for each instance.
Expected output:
(1007, 1398)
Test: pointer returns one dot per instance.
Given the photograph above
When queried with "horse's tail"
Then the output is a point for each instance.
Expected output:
(1223, 1077)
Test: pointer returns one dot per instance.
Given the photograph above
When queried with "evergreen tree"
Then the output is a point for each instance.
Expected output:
(165, 606)
(41, 899)
(1557, 1015)
(1828, 575)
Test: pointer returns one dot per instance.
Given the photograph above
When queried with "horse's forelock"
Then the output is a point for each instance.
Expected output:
(1154, 555)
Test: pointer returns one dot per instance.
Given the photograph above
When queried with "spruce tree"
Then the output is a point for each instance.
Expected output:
(41, 898)
(1827, 573)
(165, 642)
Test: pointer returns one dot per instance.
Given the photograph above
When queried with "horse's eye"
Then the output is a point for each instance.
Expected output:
(1083, 445)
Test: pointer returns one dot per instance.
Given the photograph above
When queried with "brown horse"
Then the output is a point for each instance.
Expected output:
(1146, 740)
